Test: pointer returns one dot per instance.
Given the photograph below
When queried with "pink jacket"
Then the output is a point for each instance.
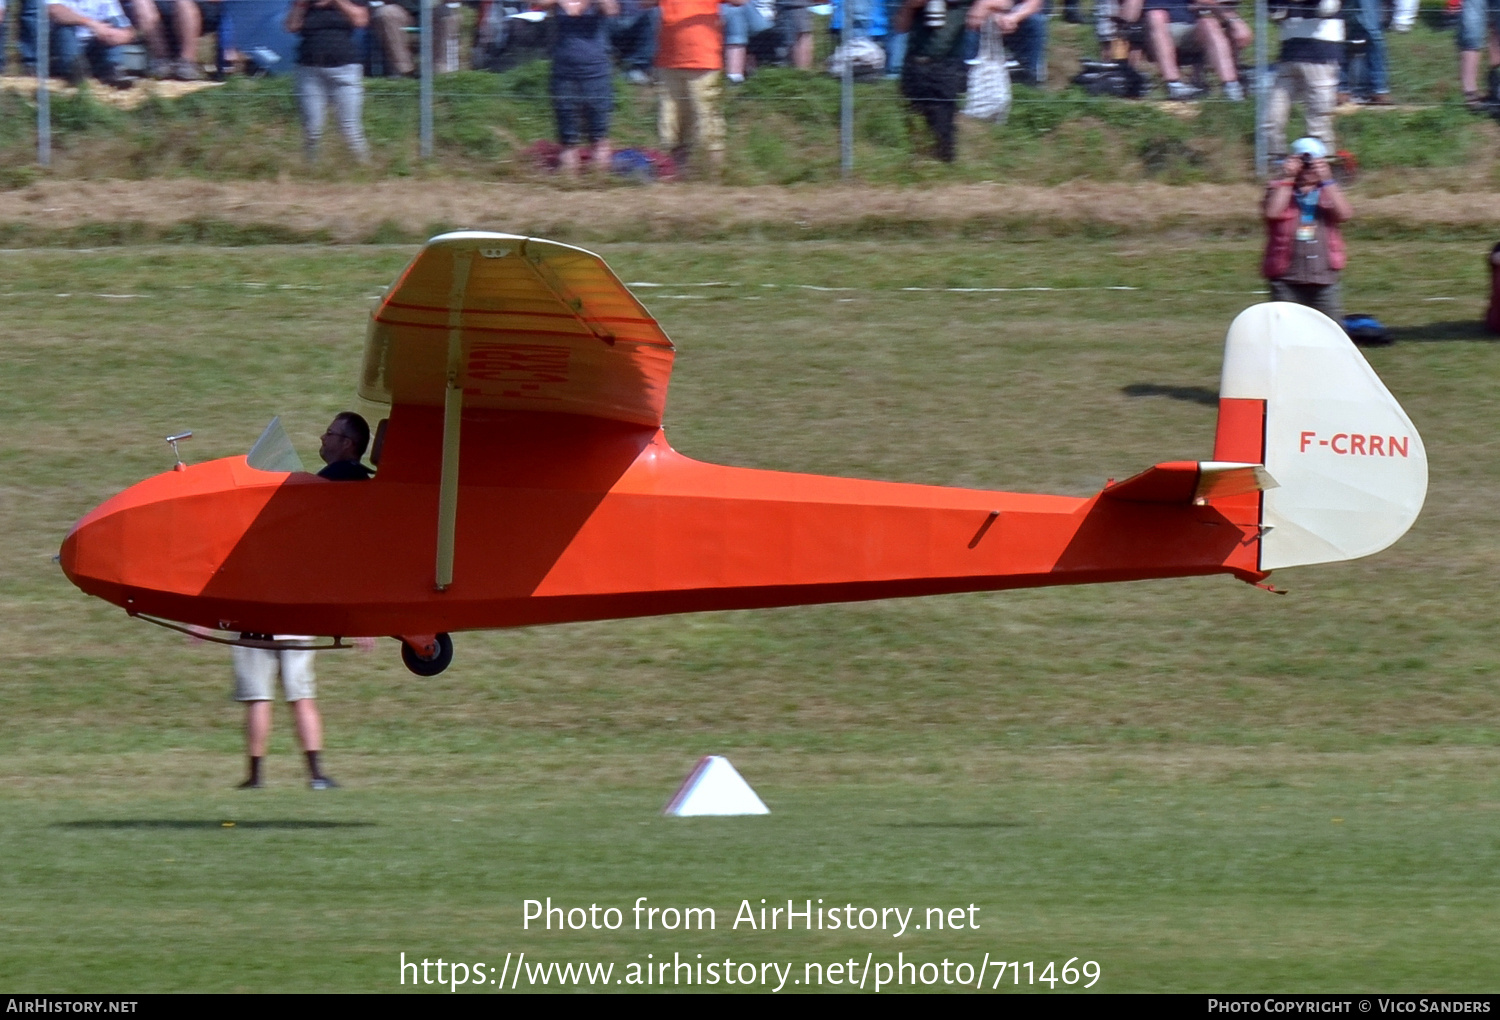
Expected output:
(1280, 234)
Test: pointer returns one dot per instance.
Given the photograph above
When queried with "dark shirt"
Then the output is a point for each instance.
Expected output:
(581, 47)
(944, 42)
(1309, 39)
(346, 471)
(327, 39)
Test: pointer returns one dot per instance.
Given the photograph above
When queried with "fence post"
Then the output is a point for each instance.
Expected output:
(846, 93)
(1262, 99)
(43, 96)
(429, 55)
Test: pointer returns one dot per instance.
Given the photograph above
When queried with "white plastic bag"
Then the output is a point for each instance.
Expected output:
(867, 54)
(988, 95)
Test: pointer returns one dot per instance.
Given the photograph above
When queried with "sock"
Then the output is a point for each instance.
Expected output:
(312, 765)
(255, 769)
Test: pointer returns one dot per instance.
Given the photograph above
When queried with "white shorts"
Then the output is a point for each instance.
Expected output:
(254, 668)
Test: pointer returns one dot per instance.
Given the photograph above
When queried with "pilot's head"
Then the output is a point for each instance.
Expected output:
(346, 438)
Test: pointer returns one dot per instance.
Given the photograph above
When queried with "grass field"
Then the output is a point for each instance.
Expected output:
(1199, 785)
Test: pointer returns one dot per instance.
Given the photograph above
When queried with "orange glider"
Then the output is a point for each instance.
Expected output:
(524, 478)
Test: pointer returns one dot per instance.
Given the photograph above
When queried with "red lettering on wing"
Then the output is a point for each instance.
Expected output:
(518, 363)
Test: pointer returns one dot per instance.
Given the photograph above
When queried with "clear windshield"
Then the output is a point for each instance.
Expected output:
(273, 451)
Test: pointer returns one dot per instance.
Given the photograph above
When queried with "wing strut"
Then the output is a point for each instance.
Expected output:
(549, 279)
(453, 412)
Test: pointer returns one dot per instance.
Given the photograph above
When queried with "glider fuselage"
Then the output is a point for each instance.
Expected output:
(564, 518)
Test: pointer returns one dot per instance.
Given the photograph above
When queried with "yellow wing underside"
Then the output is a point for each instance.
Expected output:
(523, 324)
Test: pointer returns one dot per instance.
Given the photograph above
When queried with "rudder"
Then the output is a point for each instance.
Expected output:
(1297, 396)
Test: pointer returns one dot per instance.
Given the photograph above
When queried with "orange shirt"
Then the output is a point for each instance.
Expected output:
(691, 36)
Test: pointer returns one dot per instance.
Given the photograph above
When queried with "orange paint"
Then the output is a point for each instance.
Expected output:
(572, 505)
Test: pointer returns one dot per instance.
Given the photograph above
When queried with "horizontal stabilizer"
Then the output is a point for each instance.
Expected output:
(1191, 481)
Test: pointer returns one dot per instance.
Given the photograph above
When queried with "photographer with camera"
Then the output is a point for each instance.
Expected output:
(1304, 249)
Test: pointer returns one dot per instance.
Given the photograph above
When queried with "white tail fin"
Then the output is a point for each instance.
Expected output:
(1350, 467)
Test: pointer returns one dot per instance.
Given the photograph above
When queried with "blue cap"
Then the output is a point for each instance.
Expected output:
(1310, 147)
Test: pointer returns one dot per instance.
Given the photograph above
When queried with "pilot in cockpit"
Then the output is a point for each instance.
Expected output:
(344, 444)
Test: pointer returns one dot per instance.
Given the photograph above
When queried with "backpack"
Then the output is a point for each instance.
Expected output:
(1366, 330)
(1111, 78)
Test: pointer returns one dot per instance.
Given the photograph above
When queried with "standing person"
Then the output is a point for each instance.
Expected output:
(689, 56)
(933, 73)
(254, 669)
(583, 89)
(343, 444)
(328, 68)
(1473, 36)
(632, 34)
(1376, 66)
(794, 20)
(1304, 248)
(741, 24)
(1312, 43)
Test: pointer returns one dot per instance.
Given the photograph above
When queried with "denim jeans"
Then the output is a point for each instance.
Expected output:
(1471, 23)
(1028, 44)
(64, 47)
(895, 42)
(741, 22)
(345, 86)
(1375, 62)
(634, 37)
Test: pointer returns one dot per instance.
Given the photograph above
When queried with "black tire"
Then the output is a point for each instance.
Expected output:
(429, 667)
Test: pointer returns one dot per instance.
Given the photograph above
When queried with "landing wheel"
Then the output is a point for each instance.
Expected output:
(430, 665)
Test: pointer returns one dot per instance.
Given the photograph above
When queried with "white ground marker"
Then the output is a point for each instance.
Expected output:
(715, 787)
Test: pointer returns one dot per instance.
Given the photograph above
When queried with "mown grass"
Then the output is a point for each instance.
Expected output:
(783, 129)
(1199, 785)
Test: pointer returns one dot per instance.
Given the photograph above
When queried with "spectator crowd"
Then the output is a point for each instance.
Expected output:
(1327, 53)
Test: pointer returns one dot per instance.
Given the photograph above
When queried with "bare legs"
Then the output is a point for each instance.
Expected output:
(305, 716)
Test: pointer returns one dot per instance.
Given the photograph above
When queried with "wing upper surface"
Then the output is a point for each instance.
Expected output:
(542, 326)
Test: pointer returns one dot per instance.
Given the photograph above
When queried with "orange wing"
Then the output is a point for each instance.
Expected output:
(524, 324)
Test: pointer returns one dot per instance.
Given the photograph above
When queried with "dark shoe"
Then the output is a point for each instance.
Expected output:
(1380, 99)
(118, 82)
(250, 784)
(322, 783)
(1344, 99)
(187, 70)
(1477, 102)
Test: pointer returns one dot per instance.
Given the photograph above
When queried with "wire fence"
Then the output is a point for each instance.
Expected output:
(777, 119)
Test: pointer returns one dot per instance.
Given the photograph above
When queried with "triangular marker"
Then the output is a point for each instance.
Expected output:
(715, 787)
